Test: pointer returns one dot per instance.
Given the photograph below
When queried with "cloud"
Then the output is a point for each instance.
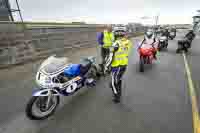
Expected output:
(107, 11)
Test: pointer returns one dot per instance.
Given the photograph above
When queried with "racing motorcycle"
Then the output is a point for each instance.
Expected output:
(145, 56)
(163, 43)
(57, 77)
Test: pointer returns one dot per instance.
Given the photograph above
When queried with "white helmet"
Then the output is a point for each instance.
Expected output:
(120, 33)
(149, 33)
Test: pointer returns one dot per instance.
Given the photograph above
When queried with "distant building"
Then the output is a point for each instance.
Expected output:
(135, 27)
(119, 27)
(78, 23)
(5, 11)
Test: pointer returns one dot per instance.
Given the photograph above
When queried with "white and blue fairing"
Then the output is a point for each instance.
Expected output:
(51, 68)
(53, 65)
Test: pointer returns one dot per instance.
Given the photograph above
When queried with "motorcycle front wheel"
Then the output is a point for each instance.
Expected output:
(166, 45)
(36, 108)
(159, 47)
(141, 64)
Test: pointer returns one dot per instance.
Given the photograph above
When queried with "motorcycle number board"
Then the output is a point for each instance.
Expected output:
(71, 88)
(72, 85)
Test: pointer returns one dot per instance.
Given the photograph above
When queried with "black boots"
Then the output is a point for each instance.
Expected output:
(119, 87)
(117, 96)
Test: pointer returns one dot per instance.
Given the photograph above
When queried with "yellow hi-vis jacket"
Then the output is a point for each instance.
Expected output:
(121, 55)
(108, 39)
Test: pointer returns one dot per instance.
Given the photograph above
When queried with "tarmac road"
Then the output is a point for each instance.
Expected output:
(155, 101)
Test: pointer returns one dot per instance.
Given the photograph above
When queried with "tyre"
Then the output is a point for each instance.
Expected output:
(166, 45)
(94, 73)
(163, 45)
(177, 51)
(159, 47)
(186, 50)
(141, 64)
(40, 102)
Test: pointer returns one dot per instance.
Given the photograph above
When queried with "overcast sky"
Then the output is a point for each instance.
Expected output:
(108, 11)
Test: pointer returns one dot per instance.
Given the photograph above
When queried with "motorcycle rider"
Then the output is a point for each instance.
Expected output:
(118, 60)
(105, 40)
(174, 30)
(190, 36)
(149, 39)
(166, 33)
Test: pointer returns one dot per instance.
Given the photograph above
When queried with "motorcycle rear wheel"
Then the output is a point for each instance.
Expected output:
(186, 50)
(178, 51)
(29, 108)
(159, 47)
(94, 73)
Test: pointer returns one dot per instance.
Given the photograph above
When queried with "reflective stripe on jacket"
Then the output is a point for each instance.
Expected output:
(121, 55)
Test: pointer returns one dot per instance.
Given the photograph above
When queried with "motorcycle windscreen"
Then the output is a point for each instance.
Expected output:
(146, 46)
(163, 38)
(54, 65)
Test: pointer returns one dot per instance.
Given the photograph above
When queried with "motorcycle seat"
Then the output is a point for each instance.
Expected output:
(85, 62)
(84, 68)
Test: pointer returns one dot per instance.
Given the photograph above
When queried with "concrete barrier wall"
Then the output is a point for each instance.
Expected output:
(18, 45)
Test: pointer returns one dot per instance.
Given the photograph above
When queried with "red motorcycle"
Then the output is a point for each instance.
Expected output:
(146, 55)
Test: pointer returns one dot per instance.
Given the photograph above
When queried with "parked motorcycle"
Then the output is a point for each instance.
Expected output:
(163, 43)
(146, 56)
(56, 77)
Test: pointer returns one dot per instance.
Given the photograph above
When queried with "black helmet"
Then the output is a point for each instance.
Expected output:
(190, 30)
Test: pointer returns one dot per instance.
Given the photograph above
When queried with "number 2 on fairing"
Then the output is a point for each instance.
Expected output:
(72, 87)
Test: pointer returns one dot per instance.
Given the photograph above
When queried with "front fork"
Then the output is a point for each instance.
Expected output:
(46, 95)
(49, 98)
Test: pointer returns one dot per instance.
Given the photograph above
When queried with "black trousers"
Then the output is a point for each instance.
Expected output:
(104, 52)
(116, 81)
